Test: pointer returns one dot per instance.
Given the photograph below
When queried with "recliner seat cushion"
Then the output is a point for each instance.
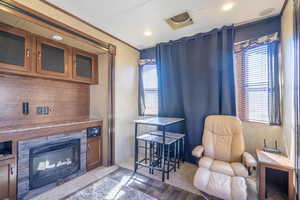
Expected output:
(220, 185)
(230, 169)
(239, 169)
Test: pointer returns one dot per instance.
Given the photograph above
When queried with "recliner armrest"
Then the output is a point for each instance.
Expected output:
(198, 151)
(249, 160)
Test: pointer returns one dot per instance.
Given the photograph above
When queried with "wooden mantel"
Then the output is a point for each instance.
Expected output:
(45, 129)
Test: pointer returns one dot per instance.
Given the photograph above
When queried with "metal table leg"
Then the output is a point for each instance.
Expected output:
(183, 149)
(151, 158)
(146, 149)
(163, 155)
(168, 159)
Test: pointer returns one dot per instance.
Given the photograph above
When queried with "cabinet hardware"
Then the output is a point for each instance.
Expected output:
(11, 171)
(39, 55)
(27, 53)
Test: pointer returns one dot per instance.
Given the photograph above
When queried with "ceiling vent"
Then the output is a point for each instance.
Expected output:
(180, 21)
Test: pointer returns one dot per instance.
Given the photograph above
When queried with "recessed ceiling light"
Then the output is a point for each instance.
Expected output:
(57, 37)
(147, 33)
(227, 6)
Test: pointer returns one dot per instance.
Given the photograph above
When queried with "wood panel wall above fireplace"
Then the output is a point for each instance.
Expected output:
(66, 101)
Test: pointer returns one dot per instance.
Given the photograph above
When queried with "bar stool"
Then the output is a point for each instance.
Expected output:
(157, 159)
(180, 140)
(159, 148)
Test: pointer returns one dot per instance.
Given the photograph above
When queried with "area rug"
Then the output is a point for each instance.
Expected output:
(124, 184)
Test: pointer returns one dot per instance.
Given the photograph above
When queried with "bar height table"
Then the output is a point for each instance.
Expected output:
(162, 123)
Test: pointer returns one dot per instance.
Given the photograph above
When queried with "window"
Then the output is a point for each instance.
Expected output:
(258, 83)
(150, 89)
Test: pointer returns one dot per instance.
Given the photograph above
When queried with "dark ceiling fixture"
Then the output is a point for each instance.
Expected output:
(180, 21)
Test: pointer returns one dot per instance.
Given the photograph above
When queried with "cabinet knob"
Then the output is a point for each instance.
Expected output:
(27, 53)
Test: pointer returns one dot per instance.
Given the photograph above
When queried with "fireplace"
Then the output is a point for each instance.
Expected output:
(53, 162)
(47, 161)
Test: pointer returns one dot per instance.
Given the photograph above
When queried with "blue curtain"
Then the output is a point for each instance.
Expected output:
(196, 79)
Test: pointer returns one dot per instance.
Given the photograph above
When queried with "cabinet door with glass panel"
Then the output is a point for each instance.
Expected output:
(15, 49)
(85, 67)
(53, 59)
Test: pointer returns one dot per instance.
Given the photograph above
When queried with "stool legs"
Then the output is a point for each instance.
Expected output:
(146, 152)
(136, 150)
(168, 158)
(159, 155)
(151, 158)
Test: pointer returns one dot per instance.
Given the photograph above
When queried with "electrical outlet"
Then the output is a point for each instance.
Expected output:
(39, 110)
(42, 110)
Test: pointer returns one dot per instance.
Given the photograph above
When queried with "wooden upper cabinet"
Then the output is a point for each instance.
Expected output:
(53, 59)
(25, 53)
(85, 66)
(15, 49)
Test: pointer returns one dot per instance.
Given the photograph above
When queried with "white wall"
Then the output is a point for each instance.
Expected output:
(99, 98)
(255, 133)
(287, 46)
(126, 103)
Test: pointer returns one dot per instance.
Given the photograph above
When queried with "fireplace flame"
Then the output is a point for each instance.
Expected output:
(46, 164)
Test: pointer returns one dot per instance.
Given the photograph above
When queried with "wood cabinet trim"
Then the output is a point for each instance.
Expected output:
(94, 58)
(27, 50)
(93, 160)
(11, 176)
(67, 52)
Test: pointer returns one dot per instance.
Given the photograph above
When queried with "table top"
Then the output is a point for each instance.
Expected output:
(158, 121)
(273, 159)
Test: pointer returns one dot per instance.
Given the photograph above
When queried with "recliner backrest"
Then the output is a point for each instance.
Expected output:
(223, 138)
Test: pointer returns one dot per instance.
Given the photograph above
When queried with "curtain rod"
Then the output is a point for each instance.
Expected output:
(255, 20)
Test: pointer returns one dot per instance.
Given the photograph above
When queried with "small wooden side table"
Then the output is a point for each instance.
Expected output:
(274, 161)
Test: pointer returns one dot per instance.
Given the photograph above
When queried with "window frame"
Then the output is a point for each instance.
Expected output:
(241, 93)
(145, 90)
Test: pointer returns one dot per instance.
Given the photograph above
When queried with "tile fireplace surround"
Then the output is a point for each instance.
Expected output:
(23, 160)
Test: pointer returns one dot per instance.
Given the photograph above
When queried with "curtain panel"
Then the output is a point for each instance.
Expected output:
(196, 79)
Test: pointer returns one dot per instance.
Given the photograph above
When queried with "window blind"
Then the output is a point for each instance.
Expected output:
(149, 78)
(253, 87)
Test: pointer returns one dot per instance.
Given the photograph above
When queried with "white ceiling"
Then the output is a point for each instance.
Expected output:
(129, 19)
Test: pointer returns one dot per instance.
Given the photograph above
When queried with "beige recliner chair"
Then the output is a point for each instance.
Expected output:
(223, 162)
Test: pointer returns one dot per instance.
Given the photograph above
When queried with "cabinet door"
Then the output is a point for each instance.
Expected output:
(93, 152)
(53, 59)
(85, 67)
(15, 49)
(8, 179)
